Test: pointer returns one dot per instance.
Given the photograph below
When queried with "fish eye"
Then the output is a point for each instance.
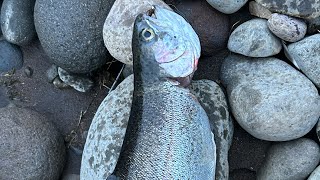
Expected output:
(147, 34)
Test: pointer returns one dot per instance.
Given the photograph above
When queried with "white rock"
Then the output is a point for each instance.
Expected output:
(227, 6)
(118, 27)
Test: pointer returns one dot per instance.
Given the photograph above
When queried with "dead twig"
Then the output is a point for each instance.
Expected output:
(118, 76)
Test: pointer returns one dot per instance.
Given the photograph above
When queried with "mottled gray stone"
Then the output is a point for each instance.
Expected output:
(127, 71)
(315, 175)
(292, 160)
(258, 10)
(17, 22)
(306, 54)
(108, 128)
(227, 6)
(269, 98)
(298, 8)
(70, 32)
(287, 28)
(31, 148)
(58, 83)
(78, 82)
(10, 56)
(118, 26)
(253, 38)
(214, 102)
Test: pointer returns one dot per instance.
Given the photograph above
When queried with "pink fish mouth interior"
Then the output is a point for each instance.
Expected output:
(180, 66)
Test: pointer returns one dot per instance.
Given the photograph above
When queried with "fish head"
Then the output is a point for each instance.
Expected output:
(166, 44)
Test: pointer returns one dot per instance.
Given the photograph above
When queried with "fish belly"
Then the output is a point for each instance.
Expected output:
(168, 137)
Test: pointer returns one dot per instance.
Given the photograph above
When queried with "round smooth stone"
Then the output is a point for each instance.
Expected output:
(31, 148)
(287, 28)
(270, 99)
(76, 81)
(17, 22)
(70, 32)
(10, 56)
(254, 39)
(118, 26)
(292, 160)
(306, 54)
(227, 6)
(303, 9)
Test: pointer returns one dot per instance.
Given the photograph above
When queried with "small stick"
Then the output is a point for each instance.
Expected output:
(115, 82)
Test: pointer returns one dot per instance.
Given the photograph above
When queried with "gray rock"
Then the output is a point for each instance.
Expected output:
(227, 7)
(269, 98)
(71, 177)
(315, 175)
(127, 71)
(118, 26)
(318, 129)
(17, 22)
(78, 82)
(106, 133)
(286, 27)
(297, 8)
(10, 56)
(31, 148)
(108, 128)
(292, 160)
(253, 38)
(52, 73)
(258, 10)
(214, 102)
(70, 32)
(306, 54)
(58, 83)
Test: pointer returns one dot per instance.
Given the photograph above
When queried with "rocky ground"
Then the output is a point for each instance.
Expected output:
(267, 67)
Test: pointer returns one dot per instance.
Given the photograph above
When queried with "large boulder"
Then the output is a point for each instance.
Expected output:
(269, 98)
(31, 148)
(70, 32)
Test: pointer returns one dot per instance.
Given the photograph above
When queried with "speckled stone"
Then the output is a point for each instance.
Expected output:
(270, 99)
(10, 56)
(297, 8)
(118, 26)
(79, 82)
(306, 54)
(70, 32)
(31, 147)
(292, 160)
(214, 102)
(254, 39)
(287, 28)
(17, 22)
(315, 175)
(108, 128)
(258, 10)
(227, 6)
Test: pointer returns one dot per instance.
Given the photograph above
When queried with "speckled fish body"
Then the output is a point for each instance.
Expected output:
(168, 134)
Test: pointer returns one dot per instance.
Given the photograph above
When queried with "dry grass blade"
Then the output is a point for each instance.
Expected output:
(118, 76)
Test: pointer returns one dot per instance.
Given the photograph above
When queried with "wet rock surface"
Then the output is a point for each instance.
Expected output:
(70, 32)
(17, 22)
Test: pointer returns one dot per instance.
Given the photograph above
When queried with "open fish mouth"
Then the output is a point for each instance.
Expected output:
(177, 49)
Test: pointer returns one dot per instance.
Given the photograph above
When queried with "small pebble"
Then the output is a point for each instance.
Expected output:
(60, 84)
(256, 9)
(79, 82)
(52, 73)
(287, 28)
(292, 160)
(28, 71)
